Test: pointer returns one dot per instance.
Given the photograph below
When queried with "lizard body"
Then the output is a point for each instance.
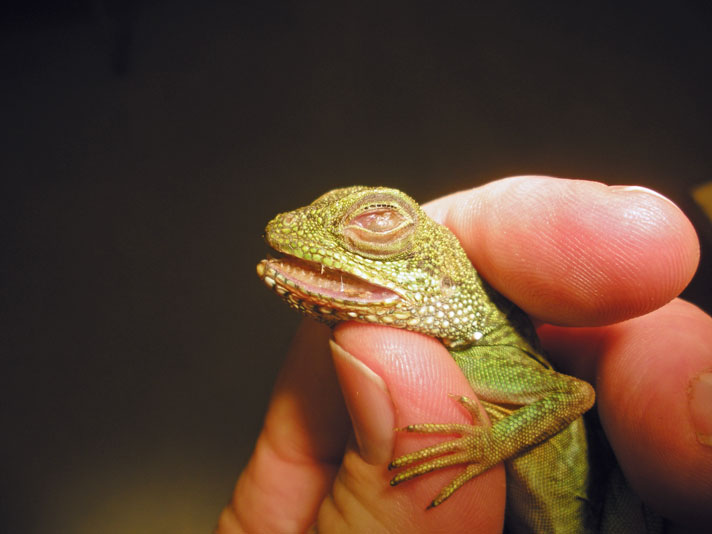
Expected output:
(372, 255)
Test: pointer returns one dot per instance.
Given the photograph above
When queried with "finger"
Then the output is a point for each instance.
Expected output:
(394, 377)
(300, 447)
(654, 388)
(574, 252)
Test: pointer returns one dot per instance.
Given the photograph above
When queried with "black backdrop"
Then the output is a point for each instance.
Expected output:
(146, 143)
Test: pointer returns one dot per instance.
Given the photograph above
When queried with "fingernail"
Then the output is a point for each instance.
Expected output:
(369, 403)
(700, 396)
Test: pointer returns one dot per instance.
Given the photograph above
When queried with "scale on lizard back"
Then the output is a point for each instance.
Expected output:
(371, 254)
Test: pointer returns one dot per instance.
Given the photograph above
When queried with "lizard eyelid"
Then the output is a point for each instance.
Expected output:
(379, 232)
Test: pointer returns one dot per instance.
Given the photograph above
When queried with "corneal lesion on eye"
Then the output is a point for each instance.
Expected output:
(379, 219)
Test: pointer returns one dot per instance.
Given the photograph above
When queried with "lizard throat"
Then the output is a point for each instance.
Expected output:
(320, 284)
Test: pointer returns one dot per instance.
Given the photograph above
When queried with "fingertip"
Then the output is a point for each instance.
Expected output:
(417, 370)
(574, 252)
(420, 374)
(646, 396)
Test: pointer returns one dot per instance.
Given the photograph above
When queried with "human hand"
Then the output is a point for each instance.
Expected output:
(573, 253)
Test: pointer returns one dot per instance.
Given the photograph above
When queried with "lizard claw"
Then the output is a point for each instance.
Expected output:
(469, 448)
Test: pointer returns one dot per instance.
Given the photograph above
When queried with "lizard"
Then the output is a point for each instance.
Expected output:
(371, 254)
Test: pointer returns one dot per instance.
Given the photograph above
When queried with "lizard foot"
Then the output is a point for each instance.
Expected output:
(469, 448)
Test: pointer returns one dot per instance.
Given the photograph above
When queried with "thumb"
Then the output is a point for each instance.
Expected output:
(391, 378)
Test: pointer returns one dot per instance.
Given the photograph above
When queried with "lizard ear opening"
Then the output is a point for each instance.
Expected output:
(379, 227)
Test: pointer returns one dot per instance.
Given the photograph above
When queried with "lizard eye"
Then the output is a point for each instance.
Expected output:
(379, 222)
(379, 230)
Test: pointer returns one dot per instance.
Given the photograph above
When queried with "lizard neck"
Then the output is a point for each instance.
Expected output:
(498, 321)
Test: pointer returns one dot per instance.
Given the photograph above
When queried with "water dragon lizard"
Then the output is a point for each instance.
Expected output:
(371, 254)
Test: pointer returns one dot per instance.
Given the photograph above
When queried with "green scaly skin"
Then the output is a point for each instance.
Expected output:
(372, 255)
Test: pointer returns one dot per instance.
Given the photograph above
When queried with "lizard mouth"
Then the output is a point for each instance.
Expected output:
(316, 282)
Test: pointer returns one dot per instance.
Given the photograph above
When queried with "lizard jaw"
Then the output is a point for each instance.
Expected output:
(319, 284)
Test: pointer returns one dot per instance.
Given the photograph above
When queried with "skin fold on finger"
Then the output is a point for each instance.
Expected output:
(574, 252)
(418, 374)
(653, 403)
(300, 447)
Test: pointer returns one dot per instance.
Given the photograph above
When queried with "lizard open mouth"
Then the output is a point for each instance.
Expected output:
(316, 281)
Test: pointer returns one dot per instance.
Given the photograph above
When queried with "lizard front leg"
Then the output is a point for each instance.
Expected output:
(527, 402)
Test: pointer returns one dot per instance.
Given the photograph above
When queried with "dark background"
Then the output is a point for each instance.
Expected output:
(146, 143)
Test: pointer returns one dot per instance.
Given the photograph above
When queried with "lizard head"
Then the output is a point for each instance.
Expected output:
(371, 254)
